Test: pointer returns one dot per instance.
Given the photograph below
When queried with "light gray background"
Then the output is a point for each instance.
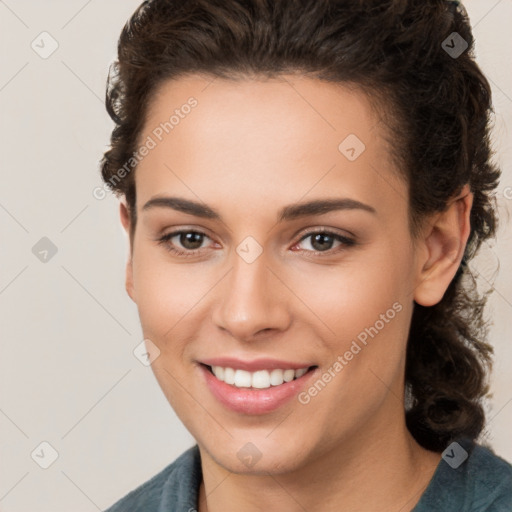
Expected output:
(68, 329)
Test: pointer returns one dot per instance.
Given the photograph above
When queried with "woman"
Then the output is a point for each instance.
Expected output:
(303, 183)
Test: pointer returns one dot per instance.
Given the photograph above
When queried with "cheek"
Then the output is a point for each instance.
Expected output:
(362, 313)
(165, 293)
(367, 314)
(351, 296)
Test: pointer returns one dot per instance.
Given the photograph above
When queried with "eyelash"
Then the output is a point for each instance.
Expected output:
(345, 241)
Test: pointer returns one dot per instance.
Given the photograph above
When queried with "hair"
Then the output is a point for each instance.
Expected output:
(437, 108)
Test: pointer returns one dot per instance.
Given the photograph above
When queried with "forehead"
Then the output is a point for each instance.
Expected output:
(271, 140)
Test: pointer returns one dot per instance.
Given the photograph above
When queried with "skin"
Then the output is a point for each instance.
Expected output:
(248, 149)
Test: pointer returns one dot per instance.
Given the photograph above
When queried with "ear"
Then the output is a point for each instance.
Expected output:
(441, 249)
(125, 221)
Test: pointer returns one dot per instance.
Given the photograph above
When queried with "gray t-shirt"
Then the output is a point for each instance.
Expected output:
(480, 482)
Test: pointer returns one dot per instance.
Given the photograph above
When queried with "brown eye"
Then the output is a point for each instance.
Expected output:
(191, 240)
(185, 243)
(323, 241)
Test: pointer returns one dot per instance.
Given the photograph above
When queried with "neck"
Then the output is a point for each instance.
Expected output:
(377, 469)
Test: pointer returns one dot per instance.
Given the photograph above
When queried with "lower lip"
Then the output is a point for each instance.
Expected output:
(250, 400)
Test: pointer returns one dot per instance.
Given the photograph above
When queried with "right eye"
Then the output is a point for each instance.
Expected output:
(190, 241)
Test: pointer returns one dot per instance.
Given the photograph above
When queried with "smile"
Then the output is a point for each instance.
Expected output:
(261, 379)
(259, 387)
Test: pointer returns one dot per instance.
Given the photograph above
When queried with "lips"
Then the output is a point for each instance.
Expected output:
(255, 387)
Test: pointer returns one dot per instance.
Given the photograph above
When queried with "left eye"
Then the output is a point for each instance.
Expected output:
(322, 241)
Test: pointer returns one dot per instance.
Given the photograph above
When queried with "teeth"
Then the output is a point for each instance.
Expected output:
(218, 371)
(242, 379)
(288, 375)
(276, 377)
(300, 373)
(229, 375)
(260, 379)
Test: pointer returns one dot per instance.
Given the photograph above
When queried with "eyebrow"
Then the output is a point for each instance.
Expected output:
(290, 212)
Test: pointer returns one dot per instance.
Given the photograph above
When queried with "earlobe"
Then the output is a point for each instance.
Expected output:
(125, 221)
(442, 249)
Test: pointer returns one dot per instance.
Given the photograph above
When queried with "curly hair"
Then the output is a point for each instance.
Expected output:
(436, 104)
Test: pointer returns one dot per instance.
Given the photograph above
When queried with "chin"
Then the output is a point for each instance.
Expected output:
(257, 455)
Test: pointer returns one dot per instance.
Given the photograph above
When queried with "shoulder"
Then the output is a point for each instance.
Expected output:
(492, 481)
(174, 488)
(469, 477)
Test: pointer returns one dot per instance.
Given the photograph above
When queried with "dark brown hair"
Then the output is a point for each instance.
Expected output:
(436, 104)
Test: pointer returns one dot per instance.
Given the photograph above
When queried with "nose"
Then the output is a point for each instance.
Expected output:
(252, 302)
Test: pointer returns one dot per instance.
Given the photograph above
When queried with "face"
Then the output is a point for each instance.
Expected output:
(273, 239)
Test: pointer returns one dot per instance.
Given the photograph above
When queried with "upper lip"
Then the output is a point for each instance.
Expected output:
(255, 364)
